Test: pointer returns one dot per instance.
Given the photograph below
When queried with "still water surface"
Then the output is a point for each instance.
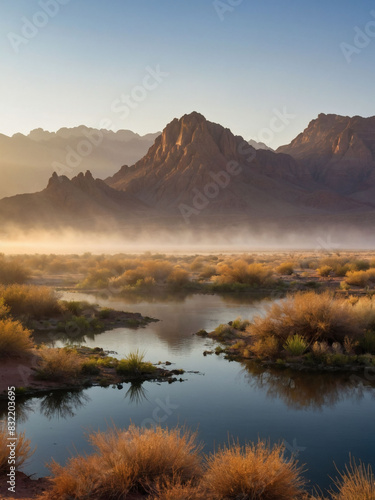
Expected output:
(320, 417)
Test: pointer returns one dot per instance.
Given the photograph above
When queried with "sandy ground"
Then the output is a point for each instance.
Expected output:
(19, 372)
(26, 488)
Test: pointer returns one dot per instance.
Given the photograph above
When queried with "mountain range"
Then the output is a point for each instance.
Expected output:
(27, 161)
(197, 174)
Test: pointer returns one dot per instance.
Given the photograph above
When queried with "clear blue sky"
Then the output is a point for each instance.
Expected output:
(235, 68)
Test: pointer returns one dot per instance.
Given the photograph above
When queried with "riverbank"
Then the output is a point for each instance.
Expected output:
(30, 375)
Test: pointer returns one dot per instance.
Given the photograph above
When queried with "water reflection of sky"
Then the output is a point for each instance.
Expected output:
(323, 417)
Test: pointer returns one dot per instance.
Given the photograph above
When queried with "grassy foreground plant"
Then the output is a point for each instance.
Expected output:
(357, 482)
(127, 461)
(253, 472)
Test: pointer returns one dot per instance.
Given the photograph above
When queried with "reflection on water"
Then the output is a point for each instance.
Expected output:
(307, 390)
(136, 393)
(54, 405)
(63, 404)
(327, 414)
(297, 389)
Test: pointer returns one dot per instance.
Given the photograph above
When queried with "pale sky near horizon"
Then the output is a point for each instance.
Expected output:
(240, 63)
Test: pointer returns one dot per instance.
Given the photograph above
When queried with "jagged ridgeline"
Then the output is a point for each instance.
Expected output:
(198, 174)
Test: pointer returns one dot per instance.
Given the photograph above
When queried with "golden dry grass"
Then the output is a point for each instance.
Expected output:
(240, 271)
(357, 482)
(314, 316)
(15, 340)
(59, 364)
(132, 460)
(253, 472)
(176, 490)
(22, 453)
(28, 300)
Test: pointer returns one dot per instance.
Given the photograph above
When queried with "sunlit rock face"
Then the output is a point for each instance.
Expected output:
(339, 152)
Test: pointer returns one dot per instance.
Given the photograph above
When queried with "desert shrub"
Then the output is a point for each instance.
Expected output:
(320, 348)
(207, 272)
(342, 270)
(253, 472)
(4, 309)
(359, 265)
(223, 331)
(311, 315)
(367, 343)
(240, 324)
(133, 460)
(324, 271)
(239, 271)
(76, 307)
(97, 278)
(337, 347)
(197, 264)
(337, 359)
(266, 347)
(23, 450)
(295, 345)
(364, 311)
(350, 345)
(15, 340)
(355, 483)
(178, 277)
(90, 367)
(371, 275)
(59, 364)
(357, 278)
(29, 300)
(12, 272)
(285, 268)
(134, 364)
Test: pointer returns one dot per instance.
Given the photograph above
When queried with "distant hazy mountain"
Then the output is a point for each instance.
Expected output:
(27, 162)
(198, 174)
(259, 145)
(81, 203)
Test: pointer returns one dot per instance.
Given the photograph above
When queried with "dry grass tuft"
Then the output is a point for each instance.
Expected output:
(59, 364)
(357, 482)
(253, 472)
(176, 490)
(15, 340)
(23, 450)
(128, 461)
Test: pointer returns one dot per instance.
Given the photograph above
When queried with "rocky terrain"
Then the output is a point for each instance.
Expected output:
(198, 173)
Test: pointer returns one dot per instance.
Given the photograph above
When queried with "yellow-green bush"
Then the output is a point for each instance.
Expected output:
(15, 340)
(29, 300)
